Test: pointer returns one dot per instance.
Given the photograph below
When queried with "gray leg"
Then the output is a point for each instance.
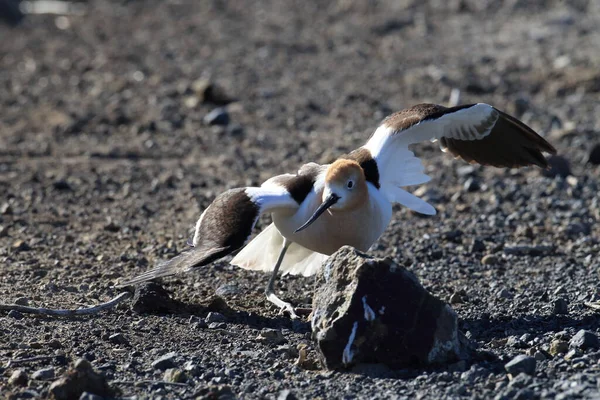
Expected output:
(271, 296)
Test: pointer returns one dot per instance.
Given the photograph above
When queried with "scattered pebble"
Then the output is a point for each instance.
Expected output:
(18, 378)
(215, 317)
(118, 338)
(584, 340)
(558, 347)
(43, 374)
(456, 298)
(218, 116)
(79, 379)
(489, 260)
(504, 293)
(165, 362)
(560, 306)
(527, 250)
(594, 157)
(174, 375)
(15, 314)
(21, 245)
(272, 336)
(521, 363)
(477, 246)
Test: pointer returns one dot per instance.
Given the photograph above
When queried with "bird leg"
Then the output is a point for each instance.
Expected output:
(271, 296)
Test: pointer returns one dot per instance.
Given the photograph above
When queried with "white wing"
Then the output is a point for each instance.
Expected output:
(477, 133)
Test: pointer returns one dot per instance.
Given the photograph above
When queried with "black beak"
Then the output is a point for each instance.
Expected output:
(329, 201)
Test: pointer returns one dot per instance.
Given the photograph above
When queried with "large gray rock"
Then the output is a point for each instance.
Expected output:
(368, 310)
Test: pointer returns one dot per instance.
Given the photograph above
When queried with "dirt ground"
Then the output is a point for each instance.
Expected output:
(106, 163)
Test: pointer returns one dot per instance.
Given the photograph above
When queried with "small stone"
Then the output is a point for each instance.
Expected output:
(118, 338)
(218, 116)
(521, 363)
(210, 92)
(273, 336)
(79, 379)
(594, 158)
(559, 166)
(539, 356)
(504, 293)
(151, 297)
(6, 209)
(560, 306)
(112, 227)
(217, 325)
(215, 317)
(22, 301)
(478, 246)
(489, 260)
(18, 378)
(286, 394)
(165, 362)
(3, 231)
(227, 290)
(584, 340)
(192, 369)
(558, 347)
(15, 314)
(43, 374)
(456, 298)
(235, 130)
(571, 354)
(174, 375)
(471, 185)
(21, 245)
(61, 184)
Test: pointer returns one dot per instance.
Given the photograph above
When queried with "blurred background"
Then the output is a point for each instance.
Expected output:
(120, 121)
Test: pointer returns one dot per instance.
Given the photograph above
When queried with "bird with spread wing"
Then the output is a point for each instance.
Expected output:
(349, 202)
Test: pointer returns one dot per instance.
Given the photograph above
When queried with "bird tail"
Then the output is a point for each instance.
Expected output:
(184, 262)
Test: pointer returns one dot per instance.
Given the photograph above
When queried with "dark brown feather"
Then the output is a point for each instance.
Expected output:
(226, 226)
(511, 144)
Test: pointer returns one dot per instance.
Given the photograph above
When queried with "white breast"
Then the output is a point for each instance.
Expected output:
(359, 228)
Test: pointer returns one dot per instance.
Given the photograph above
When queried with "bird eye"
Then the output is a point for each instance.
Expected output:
(350, 184)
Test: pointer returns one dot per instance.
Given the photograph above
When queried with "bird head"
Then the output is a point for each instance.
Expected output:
(345, 189)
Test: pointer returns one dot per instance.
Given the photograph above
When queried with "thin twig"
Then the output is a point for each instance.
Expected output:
(12, 363)
(150, 382)
(66, 313)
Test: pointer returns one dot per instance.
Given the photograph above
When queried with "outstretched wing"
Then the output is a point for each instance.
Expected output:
(223, 228)
(477, 133)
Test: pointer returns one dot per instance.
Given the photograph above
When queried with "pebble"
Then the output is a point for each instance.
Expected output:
(22, 301)
(478, 246)
(272, 336)
(235, 130)
(504, 293)
(21, 245)
(286, 394)
(560, 306)
(165, 362)
(471, 185)
(18, 378)
(43, 374)
(218, 116)
(217, 325)
(521, 363)
(192, 368)
(6, 209)
(558, 347)
(215, 317)
(174, 375)
(456, 298)
(584, 340)
(3, 231)
(526, 250)
(489, 260)
(15, 314)
(118, 338)
(594, 158)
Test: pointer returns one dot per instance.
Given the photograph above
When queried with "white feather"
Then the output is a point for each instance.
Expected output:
(398, 165)
(262, 252)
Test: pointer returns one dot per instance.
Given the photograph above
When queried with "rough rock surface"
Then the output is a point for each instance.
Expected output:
(79, 379)
(368, 310)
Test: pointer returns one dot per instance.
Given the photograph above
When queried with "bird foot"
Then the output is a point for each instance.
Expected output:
(283, 305)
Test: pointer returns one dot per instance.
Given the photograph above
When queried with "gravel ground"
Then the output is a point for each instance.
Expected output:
(106, 161)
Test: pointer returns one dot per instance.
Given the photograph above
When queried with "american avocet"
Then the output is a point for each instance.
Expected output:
(349, 202)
